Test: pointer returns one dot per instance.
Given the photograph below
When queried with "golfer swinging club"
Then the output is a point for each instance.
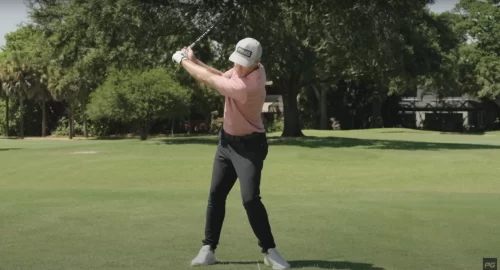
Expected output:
(242, 146)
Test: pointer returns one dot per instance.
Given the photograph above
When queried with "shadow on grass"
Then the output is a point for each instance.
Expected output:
(333, 265)
(137, 137)
(9, 149)
(238, 263)
(320, 264)
(340, 142)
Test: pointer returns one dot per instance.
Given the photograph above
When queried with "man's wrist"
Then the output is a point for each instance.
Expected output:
(184, 60)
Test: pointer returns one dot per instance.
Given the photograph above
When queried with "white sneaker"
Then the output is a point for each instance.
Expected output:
(274, 259)
(205, 257)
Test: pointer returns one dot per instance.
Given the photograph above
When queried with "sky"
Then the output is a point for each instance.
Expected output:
(14, 12)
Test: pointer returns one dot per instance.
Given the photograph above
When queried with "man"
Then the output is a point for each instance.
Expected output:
(242, 146)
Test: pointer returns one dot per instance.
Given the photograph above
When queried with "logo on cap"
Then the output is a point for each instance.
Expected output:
(244, 52)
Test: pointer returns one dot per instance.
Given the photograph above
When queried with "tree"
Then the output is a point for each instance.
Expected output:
(6, 98)
(85, 38)
(316, 44)
(25, 68)
(19, 81)
(141, 97)
(3, 90)
(479, 23)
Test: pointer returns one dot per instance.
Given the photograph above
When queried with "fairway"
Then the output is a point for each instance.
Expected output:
(362, 200)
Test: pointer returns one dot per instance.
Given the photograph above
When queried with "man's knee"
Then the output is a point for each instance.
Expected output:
(217, 198)
(251, 201)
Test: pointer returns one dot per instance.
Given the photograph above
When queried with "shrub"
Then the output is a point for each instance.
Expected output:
(216, 125)
(14, 118)
(139, 97)
(276, 126)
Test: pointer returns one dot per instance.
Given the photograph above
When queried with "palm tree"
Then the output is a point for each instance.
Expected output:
(18, 78)
(62, 87)
(3, 91)
(42, 94)
(3, 95)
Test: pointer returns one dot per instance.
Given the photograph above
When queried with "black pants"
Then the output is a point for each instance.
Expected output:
(242, 158)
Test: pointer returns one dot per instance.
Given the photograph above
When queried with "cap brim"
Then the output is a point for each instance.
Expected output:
(240, 60)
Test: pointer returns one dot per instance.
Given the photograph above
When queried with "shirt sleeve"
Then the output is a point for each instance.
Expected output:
(228, 74)
(234, 88)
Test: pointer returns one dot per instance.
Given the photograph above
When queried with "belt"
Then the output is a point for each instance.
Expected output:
(241, 138)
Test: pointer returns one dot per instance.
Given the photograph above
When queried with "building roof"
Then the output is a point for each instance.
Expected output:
(273, 104)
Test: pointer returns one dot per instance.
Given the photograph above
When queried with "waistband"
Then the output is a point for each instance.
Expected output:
(251, 136)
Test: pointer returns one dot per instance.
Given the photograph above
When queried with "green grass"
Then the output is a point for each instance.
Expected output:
(361, 200)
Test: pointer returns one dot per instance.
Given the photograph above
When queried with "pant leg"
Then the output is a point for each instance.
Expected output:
(223, 178)
(248, 159)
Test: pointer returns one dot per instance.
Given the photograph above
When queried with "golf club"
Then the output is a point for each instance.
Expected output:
(268, 83)
(209, 29)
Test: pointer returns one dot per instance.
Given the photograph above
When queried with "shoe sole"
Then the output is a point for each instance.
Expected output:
(268, 263)
(204, 264)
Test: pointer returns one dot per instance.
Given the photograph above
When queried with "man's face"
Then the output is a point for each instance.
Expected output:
(243, 71)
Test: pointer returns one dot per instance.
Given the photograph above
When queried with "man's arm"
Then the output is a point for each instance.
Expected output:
(198, 72)
(211, 69)
(233, 88)
(190, 55)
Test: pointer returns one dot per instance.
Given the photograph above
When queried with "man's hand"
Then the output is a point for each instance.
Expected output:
(190, 54)
(179, 56)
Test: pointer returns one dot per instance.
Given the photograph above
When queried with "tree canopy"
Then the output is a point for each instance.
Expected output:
(140, 97)
(363, 51)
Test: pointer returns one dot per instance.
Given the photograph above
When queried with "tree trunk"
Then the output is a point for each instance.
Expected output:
(291, 113)
(7, 117)
(85, 98)
(353, 118)
(85, 128)
(144, 134)
(173, 124)
(208, 121)
(318, 98)
(323, 108)
(70, 118)
(144, 130)
(44, 118)
(189, 123)
(84, 116)
(321, 96)
(21, 117)
(376, 121)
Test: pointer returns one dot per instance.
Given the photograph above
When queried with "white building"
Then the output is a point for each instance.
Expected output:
(427, 110)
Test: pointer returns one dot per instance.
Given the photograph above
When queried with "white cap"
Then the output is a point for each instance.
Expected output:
(247, 52)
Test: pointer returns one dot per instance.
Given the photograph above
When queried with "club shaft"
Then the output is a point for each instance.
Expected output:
(208, 31)
(202, 36)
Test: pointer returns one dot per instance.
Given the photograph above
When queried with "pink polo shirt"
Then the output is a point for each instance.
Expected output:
(244, 98)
